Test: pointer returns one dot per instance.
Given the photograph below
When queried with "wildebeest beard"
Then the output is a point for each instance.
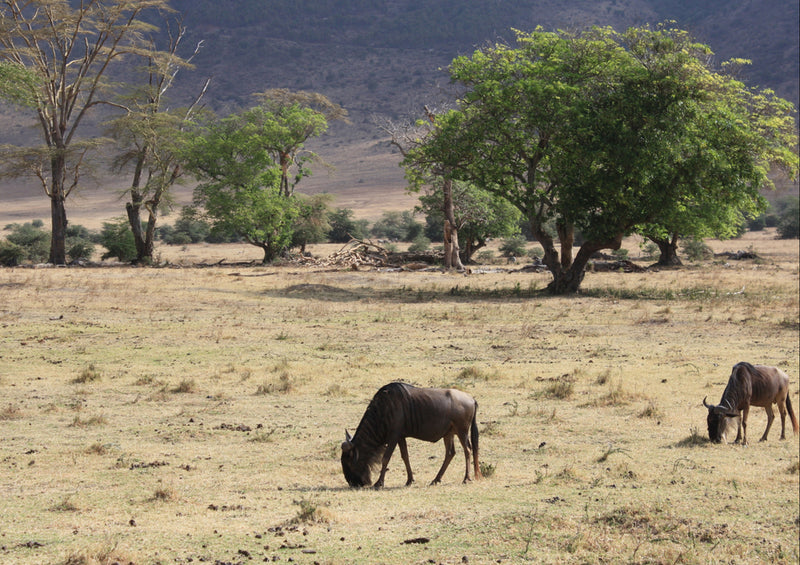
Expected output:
(717, 425)
(356, 467)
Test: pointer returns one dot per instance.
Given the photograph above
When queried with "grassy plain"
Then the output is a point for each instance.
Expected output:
(186, 415)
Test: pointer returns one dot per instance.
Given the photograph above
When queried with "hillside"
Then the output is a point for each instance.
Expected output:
(385, 59)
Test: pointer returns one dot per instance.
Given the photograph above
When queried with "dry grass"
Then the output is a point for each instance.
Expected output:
(214, 432)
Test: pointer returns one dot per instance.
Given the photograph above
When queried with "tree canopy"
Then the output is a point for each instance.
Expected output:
(609, 134)
(66, 51)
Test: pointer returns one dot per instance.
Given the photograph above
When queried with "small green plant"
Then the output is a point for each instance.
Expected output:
(696, 250)
(88, 375)
(513, 246)
(310, 513)
(117, 238)
(620, 254)
(487, 469)
(420, 244)
(185, 386)
(10, 412)
(611, 451)
(65, 505)
(560, 389)
(78, 422)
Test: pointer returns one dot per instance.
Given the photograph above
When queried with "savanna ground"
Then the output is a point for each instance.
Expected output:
(185, 415)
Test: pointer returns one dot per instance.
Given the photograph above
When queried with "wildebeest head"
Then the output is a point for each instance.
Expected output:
(718, 420)
(356, 473)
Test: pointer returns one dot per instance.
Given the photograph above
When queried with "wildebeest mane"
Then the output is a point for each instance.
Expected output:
(373, 429)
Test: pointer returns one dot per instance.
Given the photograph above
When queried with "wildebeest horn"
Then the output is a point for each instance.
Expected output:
(706, 404)
(347, 437)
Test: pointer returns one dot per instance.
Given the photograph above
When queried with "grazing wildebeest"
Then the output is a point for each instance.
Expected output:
(398, 411)
(751, 385)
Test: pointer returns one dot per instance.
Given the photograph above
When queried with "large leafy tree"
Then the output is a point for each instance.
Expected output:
(240, 182)
(244, 162)
(70, 48)
(608, 133)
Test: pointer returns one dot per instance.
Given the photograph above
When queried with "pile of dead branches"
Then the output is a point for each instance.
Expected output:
(359, 253)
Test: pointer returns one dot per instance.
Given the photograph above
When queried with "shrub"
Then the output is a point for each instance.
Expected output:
(789, 219)
(398, 226)
(696, 250)
(344, 226)
(79, 249)
(32, 239)
(420, 244)
(11, 254)
(513, 246)
(117, 237)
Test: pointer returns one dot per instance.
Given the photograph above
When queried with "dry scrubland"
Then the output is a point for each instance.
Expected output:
(195, 415)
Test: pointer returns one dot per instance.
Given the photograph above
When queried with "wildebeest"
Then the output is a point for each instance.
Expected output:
(398, 411)
(751, 385)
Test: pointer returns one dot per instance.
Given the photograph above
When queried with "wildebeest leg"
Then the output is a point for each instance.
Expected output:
(743, 425)
(782, 410)
(770, 418)
(462, 437)
(385, 463)
(404, 453)
(449, 453)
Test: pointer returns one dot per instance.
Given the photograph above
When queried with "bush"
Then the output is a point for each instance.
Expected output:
(513, 246)
(758, 223)
(118, 239)
(696, 250)
(188, 228)
(79, 249)
(11, 254)
(32, 239)
(344, 226)
(397, 226)
(789, 219)
(420, 244)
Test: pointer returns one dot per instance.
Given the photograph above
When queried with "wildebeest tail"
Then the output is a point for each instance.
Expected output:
(792, 414)
(473, 439)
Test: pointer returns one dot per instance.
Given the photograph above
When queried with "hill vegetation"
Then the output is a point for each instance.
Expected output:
(386, 59)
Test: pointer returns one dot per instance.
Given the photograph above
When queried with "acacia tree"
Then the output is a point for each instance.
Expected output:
(289, 118)
(240, 182)
(70, 49)
(150, 137)
(243, 163)
(606, 133)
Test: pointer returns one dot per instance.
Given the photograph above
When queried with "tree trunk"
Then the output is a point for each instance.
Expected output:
(567, 278)
(58, 210)
(150, 233)
(452, 258)
(58, 236)
(566, 235)
(133, 209)
(669, 251)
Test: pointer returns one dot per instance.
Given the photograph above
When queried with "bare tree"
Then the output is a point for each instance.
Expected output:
(149, 136)
(407, 135)
(71, 51)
